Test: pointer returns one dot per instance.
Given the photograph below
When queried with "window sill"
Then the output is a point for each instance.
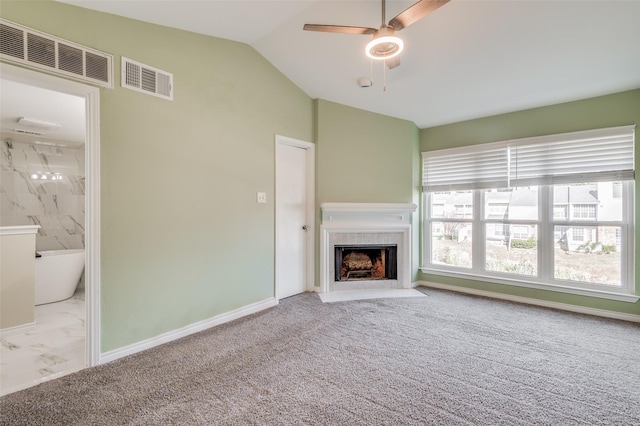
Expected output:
(602, 294)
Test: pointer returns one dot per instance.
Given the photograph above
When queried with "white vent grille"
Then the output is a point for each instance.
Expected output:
(146, 79)
(35, 49)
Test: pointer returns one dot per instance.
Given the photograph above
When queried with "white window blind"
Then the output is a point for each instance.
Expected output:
(586, 156)
(462, 168)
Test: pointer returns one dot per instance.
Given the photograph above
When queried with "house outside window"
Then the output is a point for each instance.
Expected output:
(551, 228)
(498, 210)
(463, 210)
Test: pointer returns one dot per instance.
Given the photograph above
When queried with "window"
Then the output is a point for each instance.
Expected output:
(451, 232)
(546, 212)
(617, 190)
(577, 234)
(521, 232)
(584, 211)
(560, 211)
(497, 230)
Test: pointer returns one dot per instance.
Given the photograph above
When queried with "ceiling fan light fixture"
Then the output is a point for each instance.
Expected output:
(385, 44)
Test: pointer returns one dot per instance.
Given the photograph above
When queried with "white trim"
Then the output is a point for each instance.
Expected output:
(367, 214)
(91, 95)
(17, 329)
(311, 208)
(378, 209)
(187, 330)
(19, 230)
(536, 302)
(521, 282)
(628, 239)
(92, 228)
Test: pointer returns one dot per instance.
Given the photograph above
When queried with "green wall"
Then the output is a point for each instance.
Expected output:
(364, 157)
(182, 237)
(604, 111)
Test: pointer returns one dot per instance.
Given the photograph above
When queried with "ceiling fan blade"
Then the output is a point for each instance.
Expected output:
(339, 29)
(392, 63)
(415, 12)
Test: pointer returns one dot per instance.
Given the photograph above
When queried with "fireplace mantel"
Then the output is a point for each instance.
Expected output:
(366, 223)
(367, 212)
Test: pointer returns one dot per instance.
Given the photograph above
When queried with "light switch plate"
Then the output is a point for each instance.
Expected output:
(262, 197)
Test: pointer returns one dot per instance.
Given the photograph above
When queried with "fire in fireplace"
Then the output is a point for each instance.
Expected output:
(366, 262)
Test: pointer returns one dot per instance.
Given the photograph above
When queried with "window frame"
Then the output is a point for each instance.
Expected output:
(596, 155)
(546, 225)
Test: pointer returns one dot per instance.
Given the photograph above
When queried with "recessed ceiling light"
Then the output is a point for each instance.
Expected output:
(38, 124)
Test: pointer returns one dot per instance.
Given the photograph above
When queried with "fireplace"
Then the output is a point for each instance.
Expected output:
(376, 237)
(366, 262)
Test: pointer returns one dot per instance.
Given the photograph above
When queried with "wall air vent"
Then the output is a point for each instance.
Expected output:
(143, 78)
(35, 49)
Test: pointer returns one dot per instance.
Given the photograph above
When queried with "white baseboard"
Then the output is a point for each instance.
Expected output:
(185, 331)
(18, 329)
(531, 301)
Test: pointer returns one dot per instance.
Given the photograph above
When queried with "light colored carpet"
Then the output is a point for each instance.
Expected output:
(444, 359)
(348, 295)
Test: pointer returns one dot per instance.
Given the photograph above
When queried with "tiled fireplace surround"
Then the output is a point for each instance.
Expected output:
(356, 224)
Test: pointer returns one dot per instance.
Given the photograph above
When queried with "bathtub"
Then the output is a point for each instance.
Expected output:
(57, 274)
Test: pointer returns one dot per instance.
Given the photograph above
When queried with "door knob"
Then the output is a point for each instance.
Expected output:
(305, 227)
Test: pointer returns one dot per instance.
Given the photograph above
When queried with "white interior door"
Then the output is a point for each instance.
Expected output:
(293, 229)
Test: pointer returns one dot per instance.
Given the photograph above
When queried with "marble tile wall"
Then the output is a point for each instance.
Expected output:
(56, 205)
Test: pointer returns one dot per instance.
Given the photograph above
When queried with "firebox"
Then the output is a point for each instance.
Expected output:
(366, 262)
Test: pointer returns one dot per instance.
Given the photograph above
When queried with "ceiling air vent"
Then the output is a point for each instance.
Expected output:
(143, 78)
(35, 49)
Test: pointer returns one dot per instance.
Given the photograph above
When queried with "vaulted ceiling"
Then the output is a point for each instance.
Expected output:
(467, 59)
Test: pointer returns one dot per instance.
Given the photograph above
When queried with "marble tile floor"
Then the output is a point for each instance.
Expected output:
(53, 347)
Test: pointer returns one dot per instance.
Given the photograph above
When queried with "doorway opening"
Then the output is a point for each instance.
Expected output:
(81, 189)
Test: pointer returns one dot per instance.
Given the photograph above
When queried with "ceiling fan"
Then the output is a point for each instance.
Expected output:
(385, 44)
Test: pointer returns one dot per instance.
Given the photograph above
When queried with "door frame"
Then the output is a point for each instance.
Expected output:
(91, 95)
(310, 213)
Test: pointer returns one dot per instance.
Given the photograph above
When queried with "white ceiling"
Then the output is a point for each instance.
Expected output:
(42, 105)
(468, 59)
